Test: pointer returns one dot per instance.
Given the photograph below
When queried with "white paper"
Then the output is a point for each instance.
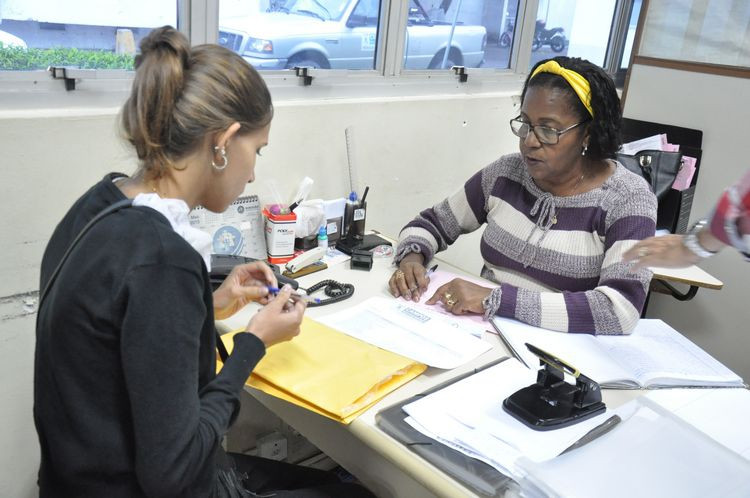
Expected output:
(400, 327)
(722, 414)
(238, 230)
(654, 142)
(651, 453)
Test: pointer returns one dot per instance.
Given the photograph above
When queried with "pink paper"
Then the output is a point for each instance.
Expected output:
(685, 175)
(439, 278)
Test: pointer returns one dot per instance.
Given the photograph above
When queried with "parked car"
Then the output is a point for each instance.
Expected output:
(342, 34)
(9, 40)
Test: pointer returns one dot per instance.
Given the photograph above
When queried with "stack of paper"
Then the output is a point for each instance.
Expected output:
(653, 356)
(330, 373)
(652, 453)
(468, 416)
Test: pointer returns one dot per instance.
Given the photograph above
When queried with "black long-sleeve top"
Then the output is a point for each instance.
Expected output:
(126, 397)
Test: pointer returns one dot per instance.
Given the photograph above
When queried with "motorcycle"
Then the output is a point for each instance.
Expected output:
(553, 37)
(506, 37)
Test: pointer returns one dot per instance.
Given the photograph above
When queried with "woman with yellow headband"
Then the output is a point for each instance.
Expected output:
(557, 216)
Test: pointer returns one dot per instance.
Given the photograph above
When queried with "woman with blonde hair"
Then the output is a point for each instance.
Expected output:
(127, 401)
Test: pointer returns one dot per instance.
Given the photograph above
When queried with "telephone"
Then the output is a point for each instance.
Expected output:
(222, 264)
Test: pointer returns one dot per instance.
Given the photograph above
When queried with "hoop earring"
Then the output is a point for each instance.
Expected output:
(585, 148)
(223, 153)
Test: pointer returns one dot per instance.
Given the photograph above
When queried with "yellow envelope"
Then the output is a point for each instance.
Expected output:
(330, 373)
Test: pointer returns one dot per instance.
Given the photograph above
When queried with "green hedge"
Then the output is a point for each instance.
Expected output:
(20, 59)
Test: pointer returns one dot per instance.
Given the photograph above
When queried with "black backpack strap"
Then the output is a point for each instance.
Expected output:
(108, 210)
(105, 212)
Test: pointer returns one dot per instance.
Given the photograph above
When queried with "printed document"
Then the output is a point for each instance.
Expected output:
(401, 327)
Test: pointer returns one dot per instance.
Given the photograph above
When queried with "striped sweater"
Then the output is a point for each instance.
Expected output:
(558, 260)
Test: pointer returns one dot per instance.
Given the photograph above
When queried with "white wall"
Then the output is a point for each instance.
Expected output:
(715, 320)
(411, 152)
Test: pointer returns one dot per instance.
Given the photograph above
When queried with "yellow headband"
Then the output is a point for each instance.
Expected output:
(578, 83)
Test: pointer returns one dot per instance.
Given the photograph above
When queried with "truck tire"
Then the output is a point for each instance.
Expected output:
(449, 63)
(304, 61)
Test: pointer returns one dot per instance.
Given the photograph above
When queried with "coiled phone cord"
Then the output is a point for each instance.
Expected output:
(336, 291)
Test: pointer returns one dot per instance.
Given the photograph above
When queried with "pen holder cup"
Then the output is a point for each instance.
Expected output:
(279, 230)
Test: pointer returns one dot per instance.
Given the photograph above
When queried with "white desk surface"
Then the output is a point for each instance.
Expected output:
(384, 465)
(692, 275)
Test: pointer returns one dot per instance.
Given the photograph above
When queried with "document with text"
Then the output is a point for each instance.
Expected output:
(401, 327)
(654, 355)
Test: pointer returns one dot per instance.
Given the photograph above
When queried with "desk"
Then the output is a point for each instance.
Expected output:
(385, 466)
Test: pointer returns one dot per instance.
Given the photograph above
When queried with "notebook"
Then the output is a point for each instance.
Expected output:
(654, 356)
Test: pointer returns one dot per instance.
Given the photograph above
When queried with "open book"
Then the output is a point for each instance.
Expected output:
(653, 356)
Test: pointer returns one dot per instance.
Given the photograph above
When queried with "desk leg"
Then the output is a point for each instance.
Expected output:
(681, 296)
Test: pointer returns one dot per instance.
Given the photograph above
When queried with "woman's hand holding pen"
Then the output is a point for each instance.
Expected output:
(280, 319)
(411, 279)
(245, 283)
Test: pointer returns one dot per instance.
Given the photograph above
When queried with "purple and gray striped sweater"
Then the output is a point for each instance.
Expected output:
(558, 260)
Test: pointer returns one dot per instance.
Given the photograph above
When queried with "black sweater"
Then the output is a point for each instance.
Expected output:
(126, 398)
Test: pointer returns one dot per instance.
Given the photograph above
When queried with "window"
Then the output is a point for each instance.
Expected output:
(465, 26)
(93, 34)
(577, 28)
(387, 45)
(327, 34)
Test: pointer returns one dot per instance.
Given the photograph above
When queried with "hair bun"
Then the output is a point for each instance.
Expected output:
(165, 39)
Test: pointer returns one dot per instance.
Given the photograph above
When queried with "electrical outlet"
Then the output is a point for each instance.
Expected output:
(272, 446)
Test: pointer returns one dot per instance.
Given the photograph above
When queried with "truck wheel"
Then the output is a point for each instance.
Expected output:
(557, 43)
(438, 59)
(303, 62)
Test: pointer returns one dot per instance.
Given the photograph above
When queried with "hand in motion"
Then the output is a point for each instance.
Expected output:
(410, 280)
(244, 284)
(279, 320)
(667, 251)
(460, 297)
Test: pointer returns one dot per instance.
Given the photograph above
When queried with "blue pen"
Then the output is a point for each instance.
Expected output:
(295, 295)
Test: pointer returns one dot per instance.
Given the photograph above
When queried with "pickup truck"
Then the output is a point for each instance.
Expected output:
(342, 34)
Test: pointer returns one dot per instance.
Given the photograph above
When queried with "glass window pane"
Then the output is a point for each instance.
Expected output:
(478, 32)
(281, 34)
(706, 31)
(630, 37)
(89, 34)
(576, 28)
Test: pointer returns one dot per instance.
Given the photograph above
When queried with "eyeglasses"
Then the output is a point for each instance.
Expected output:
(545, 134)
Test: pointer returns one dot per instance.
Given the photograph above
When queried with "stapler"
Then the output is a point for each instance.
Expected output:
(551, 402)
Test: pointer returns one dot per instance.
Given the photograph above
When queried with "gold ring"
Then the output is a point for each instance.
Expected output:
(399, 274)
(450, 302)
(447, 296)
(643, 252)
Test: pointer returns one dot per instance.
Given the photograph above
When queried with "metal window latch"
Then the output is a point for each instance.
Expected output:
(460, 71)
(301, 72)
(69, 75)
